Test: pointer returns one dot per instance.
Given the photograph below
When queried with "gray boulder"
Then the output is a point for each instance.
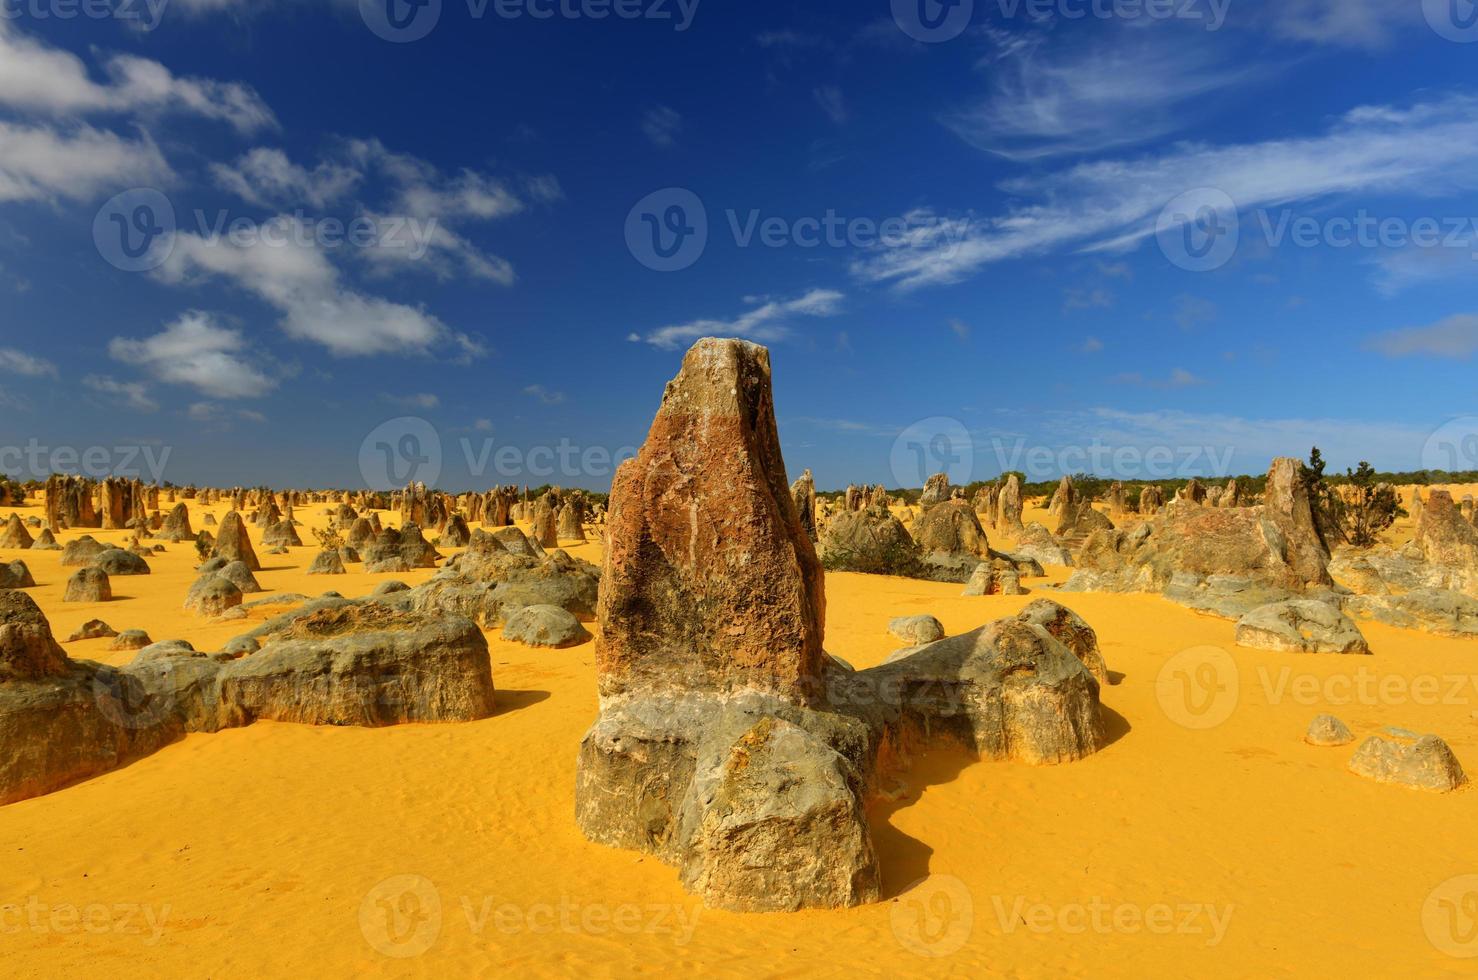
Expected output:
(88, 585)
(1327, 730)
(544, 626)
(1425, 762)
(116, 561)
(1301, 626)
(16, 575)
(916, 630)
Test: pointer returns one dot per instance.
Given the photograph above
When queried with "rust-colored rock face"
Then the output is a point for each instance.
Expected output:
(710, 583)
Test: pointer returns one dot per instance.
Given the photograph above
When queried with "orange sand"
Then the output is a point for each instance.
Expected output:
(262, 851)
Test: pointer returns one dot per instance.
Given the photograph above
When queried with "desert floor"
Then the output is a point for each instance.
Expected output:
(1206, 839)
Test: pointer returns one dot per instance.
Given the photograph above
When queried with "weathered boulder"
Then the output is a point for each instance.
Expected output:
(116, 561)
(916, 630)
(1301, 626)
(1327, 730)
(1036, 542)
(456, 534)
(871, 541)
(1008, 504)
(702, 530)
(176, 526)
(27, 649)
(951, 527)
(88, 585)
(130, 640)
(93, 629)
(1416, 762)
(544, 626)
(45, 541)
(16, 575)
(803, 493)
(212, 595)
(240, 576)
(233, 544)
(775, 823)
(281, 534)
(82, 551)
(936, 490)
(1440, 611)
(1071, 630)
(400, 551)
(15, 534)
(327, 563)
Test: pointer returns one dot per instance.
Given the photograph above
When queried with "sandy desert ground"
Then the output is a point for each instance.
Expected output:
(1229, 850)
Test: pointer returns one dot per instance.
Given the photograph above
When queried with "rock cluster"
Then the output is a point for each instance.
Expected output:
(728, 743)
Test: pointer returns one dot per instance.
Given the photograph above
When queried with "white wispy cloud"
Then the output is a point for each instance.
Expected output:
(19, 362)
(1127, 86)
(1455, 336)
(266, 177)
(297, 279)
(35, 77)
(197, 352)
(832, 102)
(43, 163)
(544, 394)
(768, 321)
(1345, 23)
(1430, 148)
(129, 394)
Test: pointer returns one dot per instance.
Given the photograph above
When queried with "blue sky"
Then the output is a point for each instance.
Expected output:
(1146, 245)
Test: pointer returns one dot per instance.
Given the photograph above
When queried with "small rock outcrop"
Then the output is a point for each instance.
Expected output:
(15, 534)
(916, 630)
(1417, 762)
(1329, 731)
(1301, 626)
(545, 626)
(233, 544)
(16, 575)
(88, 585)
